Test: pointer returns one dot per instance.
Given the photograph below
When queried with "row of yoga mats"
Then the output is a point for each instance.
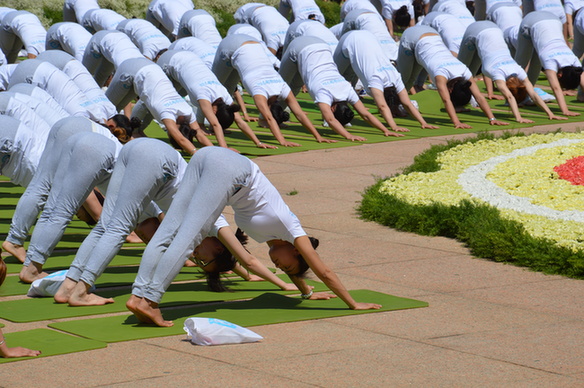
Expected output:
(249, 303)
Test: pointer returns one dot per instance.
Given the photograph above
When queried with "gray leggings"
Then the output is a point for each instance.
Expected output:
(145, 171)
(86, 161)
(121, 89)
(213, 176)
(526, 54)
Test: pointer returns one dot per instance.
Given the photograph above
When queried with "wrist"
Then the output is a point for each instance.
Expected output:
(492, 119)
(306, 296)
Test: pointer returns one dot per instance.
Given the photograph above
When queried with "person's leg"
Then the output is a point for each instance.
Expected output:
(213, 176)
(121, 88)
(91, 158)
(32, 201)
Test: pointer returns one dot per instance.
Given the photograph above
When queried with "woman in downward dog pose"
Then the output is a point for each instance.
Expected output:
(422, 46)
(484, 43)
(242, 56)
(308, 60)
(217, 177)
(148, 170)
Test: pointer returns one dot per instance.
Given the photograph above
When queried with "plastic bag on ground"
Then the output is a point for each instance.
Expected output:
(211, 331)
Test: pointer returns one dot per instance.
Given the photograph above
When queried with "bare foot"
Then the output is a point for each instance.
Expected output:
(17, 251)
(64, 292)
(81, 297)
(150, 309)
(31, 273)
(132, 305)
(133, 238)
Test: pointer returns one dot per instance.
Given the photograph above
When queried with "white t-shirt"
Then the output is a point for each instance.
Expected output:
(30, 30)
(40, 94)
(271, 24)
(448, 26)
(550, 45)
(372, 22)
(350, 5)
(102, 19)
(115, 46)
(257, 73)
(571, 6)
(203, 49)
(201, 24)
(388, 7)
(149, 39)
(261, 212)
(21, 164)
(457, 9)
(169, 13)
(72, 37)
(496, 58)
(369, 63)
(5, 73)
(552, 6)
(434, 56)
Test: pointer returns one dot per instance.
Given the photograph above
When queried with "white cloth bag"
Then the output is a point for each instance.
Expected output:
(211, 331)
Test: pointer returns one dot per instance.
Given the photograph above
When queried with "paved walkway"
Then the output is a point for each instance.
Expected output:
(488, 324)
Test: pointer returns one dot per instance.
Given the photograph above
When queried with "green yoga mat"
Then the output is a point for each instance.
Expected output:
(49, 342)
(41, 309)
(266, 309)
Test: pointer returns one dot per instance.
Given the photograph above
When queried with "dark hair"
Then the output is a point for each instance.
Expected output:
(224, 262)
(402, 17)
(460, 93)
(393, 101)
(418, 8)
(279, 114)
(125, 127)
(225, 113)
(186, 131)
(470, 6)
(3, 270)
(302, 264)
(569, 76)
(280, 52)
(343, 113)
(516, 87)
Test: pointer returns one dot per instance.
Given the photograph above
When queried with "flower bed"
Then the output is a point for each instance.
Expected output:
(526, 180)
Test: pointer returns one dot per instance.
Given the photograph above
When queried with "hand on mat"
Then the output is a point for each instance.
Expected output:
(20, 352)
(570, 92)
(525, 121)
(356, 138)
(498, 122)
(429, 126)
(495, 97)
(462, 126)
(267, 146)
(366, 306)
(322, 296)
(255, 278)
(388, 133)
(570, 113)
(400, 129)
(554, 117)
(323, 140)
(290, 144)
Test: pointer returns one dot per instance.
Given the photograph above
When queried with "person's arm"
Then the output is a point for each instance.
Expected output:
(174, 132)
(248, 261)
(490, 90)
(502, 86)
(304, 120)
(552, 77)
(541, 103)
(324, 273)
(329, 117)
(407, 103)
(241, 103)
(245, 128)
(262, 104)
(482, 101)
(379, 100)
(207, 109)
(7, 352)
(441, 85)
(570, 24)
(374, 122)
(389, 25)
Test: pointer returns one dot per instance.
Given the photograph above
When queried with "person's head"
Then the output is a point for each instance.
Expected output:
(279, 114)
(122, 127)
(516, 87)
(402, 17)
(393, 101)
(287, 258)
(418, 8)
(470, 6)
(342, 112)
(185, 130)
(213, 258)
(459, 89)
(225, 113)
(569, 77)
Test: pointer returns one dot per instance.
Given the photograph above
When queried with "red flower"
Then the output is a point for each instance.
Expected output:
(572, 171)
